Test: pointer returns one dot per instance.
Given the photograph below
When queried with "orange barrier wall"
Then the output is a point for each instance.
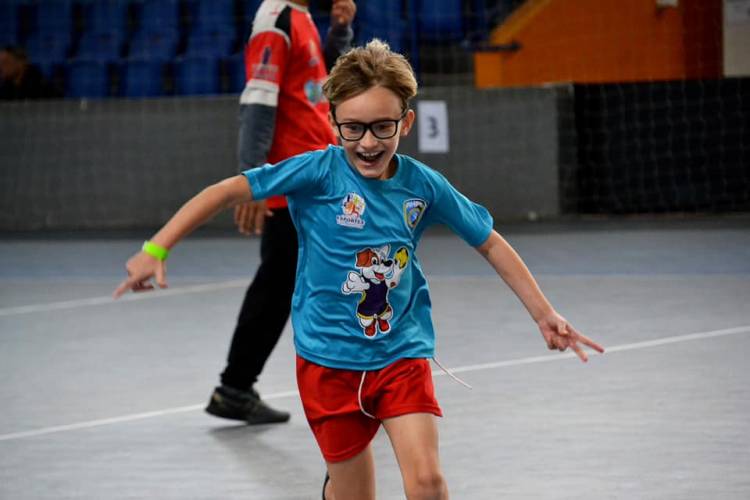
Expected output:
(599, 41)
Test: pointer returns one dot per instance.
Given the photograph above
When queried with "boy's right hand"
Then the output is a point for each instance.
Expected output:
(560, 335)
(141, 268)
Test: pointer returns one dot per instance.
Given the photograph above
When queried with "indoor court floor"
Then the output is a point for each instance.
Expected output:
(104, 399)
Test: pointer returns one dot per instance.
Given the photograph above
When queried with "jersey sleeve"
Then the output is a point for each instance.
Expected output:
(471, 221)
(298, 175)
(255, 136)
(266, 56)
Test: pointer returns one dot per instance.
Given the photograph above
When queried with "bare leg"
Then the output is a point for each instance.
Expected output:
(414, 438)
(352, 479)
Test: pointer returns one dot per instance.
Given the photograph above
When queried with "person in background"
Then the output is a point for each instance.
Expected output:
(283, 112)
(21, 80)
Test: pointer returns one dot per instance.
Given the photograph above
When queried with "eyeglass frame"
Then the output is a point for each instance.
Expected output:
(367, 126)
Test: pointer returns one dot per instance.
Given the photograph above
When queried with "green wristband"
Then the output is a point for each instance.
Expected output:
(155, 251)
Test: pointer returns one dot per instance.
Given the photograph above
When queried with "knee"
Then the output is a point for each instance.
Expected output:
(426, 485)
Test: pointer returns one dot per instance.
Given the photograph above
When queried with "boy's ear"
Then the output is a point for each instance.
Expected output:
(407, 122)
(333, 123)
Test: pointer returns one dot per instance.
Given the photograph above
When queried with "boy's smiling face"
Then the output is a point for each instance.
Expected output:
(371, 156)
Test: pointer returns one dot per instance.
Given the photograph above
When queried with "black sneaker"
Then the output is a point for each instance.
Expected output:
(235, 404)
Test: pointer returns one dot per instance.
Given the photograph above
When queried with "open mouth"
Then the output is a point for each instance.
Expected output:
(370, 158)
(380, 276)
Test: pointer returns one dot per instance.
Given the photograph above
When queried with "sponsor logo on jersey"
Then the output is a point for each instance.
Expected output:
(265, 70)
(353, 207)
(413, 211)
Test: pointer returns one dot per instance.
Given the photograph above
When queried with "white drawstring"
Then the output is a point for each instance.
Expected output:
(447, 372)
(364, 374)
(359, 395)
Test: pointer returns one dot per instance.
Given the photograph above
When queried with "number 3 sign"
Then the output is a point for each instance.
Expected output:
(432, 117)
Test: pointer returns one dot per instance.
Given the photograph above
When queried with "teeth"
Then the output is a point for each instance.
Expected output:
(369, 156)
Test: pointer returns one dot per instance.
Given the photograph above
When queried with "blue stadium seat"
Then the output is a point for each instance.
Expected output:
(213, 42)
(322, 23)
(53, 17)
(440, 20)
(102, 46)
(196, 75)
(235, 66)
(87, 79)
(9, 23)
(213, 14)
(51, 30)
(249, 8)
(106, 16)
(381, 19)
(154, 44)
(143, 78)
(48, 51)
(158, 15)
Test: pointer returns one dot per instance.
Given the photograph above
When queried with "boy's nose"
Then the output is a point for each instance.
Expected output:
(368, 139)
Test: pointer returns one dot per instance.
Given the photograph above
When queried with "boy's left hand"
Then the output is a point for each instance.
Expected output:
(560, 335)
(342, 12)
(141, 268)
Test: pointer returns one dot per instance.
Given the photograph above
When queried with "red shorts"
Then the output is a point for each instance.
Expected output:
(330, 399)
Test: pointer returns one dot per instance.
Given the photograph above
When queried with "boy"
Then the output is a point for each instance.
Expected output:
(361, 307)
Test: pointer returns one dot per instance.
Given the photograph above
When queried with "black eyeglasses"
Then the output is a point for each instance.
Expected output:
(381, 129)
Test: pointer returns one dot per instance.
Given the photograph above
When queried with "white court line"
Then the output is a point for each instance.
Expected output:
(95, 301)
(124, 418)
(170, 292)
(458, 369)
(186, 290)
(617, 348)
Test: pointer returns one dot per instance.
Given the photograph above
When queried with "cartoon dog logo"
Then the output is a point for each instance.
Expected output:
(377, 274)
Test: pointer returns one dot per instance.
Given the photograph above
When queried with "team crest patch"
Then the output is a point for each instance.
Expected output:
(353, 206)
(314, 92)
(413, 211)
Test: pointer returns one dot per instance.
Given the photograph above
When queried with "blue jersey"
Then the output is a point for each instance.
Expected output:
(361, 300)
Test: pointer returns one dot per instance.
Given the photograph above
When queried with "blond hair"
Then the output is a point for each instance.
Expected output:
(373, 65)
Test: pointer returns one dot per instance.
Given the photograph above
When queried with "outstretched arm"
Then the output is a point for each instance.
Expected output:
(557, 332)
(141, 267)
